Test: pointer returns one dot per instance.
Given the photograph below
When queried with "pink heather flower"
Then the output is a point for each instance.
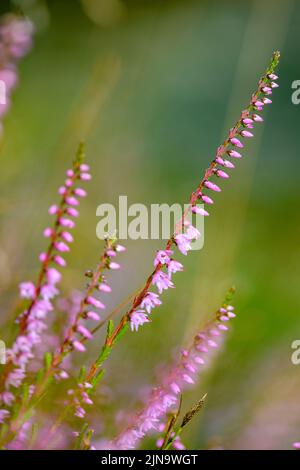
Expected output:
(62, 247)
(84, 167)
(162, 281)
(274, 85)
(114, 265)
(188, 379)
(150, 301)
(62, 191)
(80, 412)
(137, 319)
(84, 332)
(272, 76)
(120, 248)
(258, 104)
(43, 257)
(296, 445)
(70, 173)
(3, 415)
(267, 90)
(206, 199)
(199, 360)
(175, 388)
(95, 302)
(111, 253)
(224, 318)
(72, 212)
(228, 164)
(246, 134)
(59, 261)
(222, 174)
(222, 327)
(69, 182)
(27, 290)
(267, 100)
(72, 201)
(235, 141)
(212, 186)
(48, 291)
(48, 232)
(53, 209)
(183, 243)
(85, 176)
(103, 287)
(93, 315)
(173, 267)
(80, 192)
(177, 444)
(162, 257)
(199, 210)
(192, 233)
(41, 308)
(247, 121)
(7, 398)
(53, 276)
(257, 118)
(15, 378)
(67, 237)
(66, 222)
(78, 346)
(234, 154)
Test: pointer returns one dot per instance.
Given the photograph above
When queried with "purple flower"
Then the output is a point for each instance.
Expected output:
(78, 346)
(206, 199)
(235, 141)
(162, 257)
(95, 302)
(93, 316)
(212, 186)
(222, 174)
(53, 276)
(137, 319)
(234, 154)
(246, 134)
(48, 291)
(27, 290)
(191, 232)
(183, 243)
(84, 332)
(162, 281)
(199, 210)
(15, 378)
(150, 301)
(173, 267)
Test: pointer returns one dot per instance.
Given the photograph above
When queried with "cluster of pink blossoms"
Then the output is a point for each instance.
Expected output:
(165, 398)
(164, 264)
(15, 42)
(32, 320)
(79, 330)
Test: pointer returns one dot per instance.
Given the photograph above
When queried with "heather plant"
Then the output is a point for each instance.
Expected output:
(24, 388)
(15, 42)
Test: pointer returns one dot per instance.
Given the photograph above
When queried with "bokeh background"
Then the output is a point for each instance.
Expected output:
(152, 87)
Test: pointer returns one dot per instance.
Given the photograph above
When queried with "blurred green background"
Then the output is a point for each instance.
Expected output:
(152, 87)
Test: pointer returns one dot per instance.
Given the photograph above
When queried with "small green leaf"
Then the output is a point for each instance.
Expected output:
(47, 360)
(97, 377)
(110, 328)
(121, 332)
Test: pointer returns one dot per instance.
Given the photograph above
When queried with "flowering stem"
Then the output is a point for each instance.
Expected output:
(198, 193)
